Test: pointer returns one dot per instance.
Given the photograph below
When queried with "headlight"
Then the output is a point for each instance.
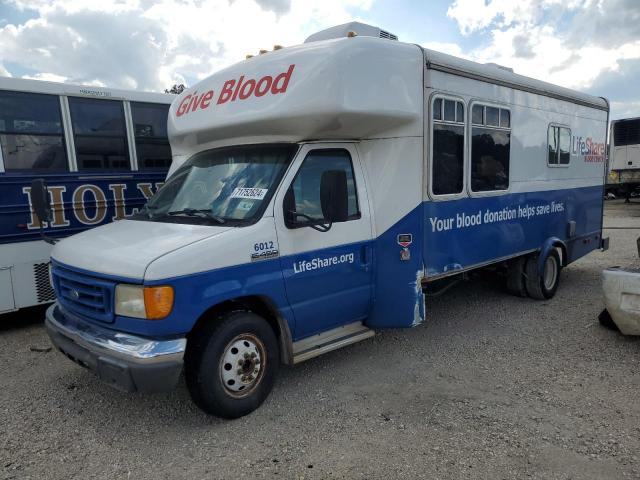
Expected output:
(152, 303)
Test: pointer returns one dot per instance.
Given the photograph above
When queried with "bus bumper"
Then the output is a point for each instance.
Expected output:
(126, 362)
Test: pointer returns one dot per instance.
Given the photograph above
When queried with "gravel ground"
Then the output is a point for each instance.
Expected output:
(492, 386)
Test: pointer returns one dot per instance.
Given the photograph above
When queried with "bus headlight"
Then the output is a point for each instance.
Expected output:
(151, 303)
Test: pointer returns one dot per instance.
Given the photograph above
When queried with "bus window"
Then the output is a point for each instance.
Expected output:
(31, 132)
(150, 130)
(100, 134)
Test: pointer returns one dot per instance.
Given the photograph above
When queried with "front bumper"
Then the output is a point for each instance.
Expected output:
(124, 361)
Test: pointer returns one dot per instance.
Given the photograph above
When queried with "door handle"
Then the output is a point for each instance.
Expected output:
(365, 256)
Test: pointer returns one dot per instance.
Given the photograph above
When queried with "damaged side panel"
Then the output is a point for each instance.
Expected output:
(419, 308)
(398, 297)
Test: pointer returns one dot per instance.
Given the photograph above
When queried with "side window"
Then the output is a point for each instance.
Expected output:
(150, 131)
(490, 148)
(304, 192)
(31, 133)
(99, 132)
(447, 170)
(558, 145)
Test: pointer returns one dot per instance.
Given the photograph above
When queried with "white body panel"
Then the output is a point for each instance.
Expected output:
(18, 282)
(532, 114)
(55, 88)
(622, 298)
(626, 158)
(129, 245)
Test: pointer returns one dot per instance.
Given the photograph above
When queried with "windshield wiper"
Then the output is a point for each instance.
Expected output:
(148, 209)
(193, 212)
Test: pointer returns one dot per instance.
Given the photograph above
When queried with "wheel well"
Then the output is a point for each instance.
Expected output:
(260, 306)
(563, 253)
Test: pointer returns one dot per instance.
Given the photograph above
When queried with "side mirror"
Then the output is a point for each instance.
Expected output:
(289, 207)
(40, 200)
(334, 196)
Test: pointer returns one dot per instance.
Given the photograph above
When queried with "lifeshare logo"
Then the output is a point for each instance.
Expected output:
(316, 263)
(593, 152)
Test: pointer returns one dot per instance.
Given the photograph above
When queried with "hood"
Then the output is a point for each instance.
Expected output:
(126, 248)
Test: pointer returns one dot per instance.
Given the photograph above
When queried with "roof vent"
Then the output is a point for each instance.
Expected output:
(342, 31)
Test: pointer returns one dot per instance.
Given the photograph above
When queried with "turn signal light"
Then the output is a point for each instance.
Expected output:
(158, 302)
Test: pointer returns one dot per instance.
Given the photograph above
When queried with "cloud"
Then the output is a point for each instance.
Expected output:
(621, 87)
(277, 6)
(522, 47)
(573, 43)
(606, 23)
(446, 47)
(140, 44)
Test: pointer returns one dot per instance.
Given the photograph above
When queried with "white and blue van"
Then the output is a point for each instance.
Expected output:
(315, 192)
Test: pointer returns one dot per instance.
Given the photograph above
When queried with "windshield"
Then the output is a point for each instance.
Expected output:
(228, 185)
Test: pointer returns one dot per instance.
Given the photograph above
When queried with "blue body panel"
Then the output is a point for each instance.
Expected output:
(122, 192)
(329, 287)
(463, 247)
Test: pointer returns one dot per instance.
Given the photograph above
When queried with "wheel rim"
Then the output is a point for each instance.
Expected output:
(550, 272)
(242, 365)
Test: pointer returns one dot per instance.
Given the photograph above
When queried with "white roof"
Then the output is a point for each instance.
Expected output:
(55, 88)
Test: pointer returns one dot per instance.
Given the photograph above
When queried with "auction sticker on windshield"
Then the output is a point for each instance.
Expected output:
(249, 193)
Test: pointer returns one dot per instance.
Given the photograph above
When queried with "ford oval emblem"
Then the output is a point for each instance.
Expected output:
(74, 294)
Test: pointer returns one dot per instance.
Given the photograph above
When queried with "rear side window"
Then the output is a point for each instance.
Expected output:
(99, 132)
(558, 145)
(31, 133)
(490, 148)
(447, 169)
(306, 185)
(150, 131)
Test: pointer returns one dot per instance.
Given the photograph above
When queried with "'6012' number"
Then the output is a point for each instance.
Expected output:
(262, 246)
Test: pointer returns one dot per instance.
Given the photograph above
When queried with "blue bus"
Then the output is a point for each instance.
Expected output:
(102, 152)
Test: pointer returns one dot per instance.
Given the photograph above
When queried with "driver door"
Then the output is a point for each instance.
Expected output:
(327, 274)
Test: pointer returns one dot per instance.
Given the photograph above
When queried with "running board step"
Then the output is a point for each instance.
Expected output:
(330, 340)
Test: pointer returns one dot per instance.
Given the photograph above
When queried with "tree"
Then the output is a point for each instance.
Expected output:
(176, 89)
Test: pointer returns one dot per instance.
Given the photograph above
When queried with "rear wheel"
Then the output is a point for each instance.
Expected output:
(543, 285)
(231, 365)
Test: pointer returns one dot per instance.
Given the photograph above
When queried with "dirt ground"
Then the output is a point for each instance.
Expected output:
(491, 386)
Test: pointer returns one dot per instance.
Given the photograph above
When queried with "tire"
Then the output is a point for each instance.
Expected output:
(516, 277)
(543, 287)
(231, 364)
(606, 321)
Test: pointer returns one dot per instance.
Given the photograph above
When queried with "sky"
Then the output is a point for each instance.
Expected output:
(588, 45)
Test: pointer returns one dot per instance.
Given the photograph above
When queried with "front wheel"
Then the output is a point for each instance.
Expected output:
(231, 364)
(543, 286)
